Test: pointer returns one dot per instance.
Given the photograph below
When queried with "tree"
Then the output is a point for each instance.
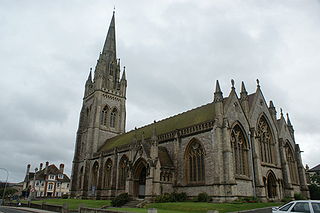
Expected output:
(314, 187)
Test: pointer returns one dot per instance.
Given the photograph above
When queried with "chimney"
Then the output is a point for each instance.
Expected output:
(61, 168)
(47, 164)
(41, 164)
(28, 170)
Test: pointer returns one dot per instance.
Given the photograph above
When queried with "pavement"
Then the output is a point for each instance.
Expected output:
(260, 210)
(10, 209)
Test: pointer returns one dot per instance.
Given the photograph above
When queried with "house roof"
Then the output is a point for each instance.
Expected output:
(183, 120)
(315, 169)
(52, 170)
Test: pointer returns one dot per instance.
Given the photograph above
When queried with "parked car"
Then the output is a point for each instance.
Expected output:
(310, 206)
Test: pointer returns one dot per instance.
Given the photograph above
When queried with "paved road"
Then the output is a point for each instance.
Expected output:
(10, 210)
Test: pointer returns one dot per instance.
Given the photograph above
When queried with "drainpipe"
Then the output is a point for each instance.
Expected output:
(252, 170)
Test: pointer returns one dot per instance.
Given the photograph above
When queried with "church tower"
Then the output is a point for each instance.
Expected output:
(103, 112)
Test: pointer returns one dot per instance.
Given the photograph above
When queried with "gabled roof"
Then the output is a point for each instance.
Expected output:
(183, 120)
(52, 170)
(315, 169)
(164, 157)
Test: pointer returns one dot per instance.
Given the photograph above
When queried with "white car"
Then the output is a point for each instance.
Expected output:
(310, 206)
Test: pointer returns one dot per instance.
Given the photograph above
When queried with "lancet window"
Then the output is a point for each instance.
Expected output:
(104, 116)
(108, 172)
(80, 178)
(240, 151)
(194, 158)
(94, 177)
(291, 163)
(113, 118)
(266, 141)
(122, 172)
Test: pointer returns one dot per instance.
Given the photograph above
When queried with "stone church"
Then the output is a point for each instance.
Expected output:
(235, 146)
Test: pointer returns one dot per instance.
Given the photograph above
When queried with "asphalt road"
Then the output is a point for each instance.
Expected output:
(10, 210)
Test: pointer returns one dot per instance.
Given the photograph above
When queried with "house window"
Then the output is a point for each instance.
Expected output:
(194, 158)
(108, 171)
(122, 172)
(51, 177)
(60, 176)
(104, 116)
(113, 118)
(42, 183)
(240, 151)
(58, 184)
(50, 186)
(37, 183)
(266, 141)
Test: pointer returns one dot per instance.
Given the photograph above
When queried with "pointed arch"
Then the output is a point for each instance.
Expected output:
(240, 149)
(194, 162)
(94, 175)
(123, 171)
(291, 162)
(113, 117)
(266, 140)
(108, 172)
(104, 115)
(271, 184)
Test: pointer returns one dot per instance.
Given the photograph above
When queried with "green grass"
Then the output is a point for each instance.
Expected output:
(73, 204)
(195, 207)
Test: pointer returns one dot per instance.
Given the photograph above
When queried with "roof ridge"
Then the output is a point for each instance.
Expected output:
(169, 117)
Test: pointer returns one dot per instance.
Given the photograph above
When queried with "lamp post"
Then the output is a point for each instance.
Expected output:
(5, 186)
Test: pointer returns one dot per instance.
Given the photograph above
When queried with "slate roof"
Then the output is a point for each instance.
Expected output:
(315, 169)
(52, 170)
(186, 119)
(165, 160)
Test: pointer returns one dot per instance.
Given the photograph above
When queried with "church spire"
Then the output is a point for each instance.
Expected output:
(109, 47)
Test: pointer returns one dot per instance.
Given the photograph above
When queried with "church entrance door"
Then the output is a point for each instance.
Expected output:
(140, 180)
(271, 186)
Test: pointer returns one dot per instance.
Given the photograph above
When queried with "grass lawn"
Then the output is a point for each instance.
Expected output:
(73, 204)
(196, 207)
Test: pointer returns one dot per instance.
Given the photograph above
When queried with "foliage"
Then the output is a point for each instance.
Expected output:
(120, 200)
(203, 197)
(315, 178)
(299, 196)
(286, 199)
(314, 192)
(9, 192)
(65, 196)
(173, 197)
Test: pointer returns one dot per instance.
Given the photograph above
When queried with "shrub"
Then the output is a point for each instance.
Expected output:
(286, 199)
(173, 197)
(314, 192)
(203, 197)
(120, 200)
(164, 198)
(298, 196)
(179, 197)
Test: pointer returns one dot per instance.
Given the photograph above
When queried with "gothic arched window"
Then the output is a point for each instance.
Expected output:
(291, 163)
(108, 172)
(113, 118)
(122, 172)
(194, 158)
(94, 177)
(271, 185)
(240, 151)
(104, 116)
(266, 141)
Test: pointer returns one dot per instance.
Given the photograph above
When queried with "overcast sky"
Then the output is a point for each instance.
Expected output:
(174, 51)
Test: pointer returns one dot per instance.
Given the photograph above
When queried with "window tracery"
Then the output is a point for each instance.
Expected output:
(195, 168)
(240, 151)
(108, 172)
(113, 118)
(291, 163)
(104, 116)
(266, 141)
(123, 164)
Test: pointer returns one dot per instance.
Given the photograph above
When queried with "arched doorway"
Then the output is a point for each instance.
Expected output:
(140, 174)
(271, 185)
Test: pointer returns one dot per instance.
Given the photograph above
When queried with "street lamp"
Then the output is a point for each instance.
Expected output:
(5, 186)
